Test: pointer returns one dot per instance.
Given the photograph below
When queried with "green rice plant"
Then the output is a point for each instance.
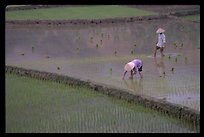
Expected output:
(176, 59)
(115, 53)
(192, 17)
(33, 49)
(43, 106)
(111, 69)
(186, 60)
(80, 12)
(175, 45)
(172, 69)
(108, 36)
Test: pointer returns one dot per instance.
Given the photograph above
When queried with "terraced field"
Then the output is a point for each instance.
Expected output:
(99, 53)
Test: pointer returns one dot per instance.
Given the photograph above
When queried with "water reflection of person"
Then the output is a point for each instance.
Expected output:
(136, 85)
(160, 66)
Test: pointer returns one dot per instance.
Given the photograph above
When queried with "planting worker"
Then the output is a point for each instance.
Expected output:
(160, 42)
(133, 67)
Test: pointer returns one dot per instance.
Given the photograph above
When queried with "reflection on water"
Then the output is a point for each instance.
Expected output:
(160, 66)
(99, 53)
(135, 84)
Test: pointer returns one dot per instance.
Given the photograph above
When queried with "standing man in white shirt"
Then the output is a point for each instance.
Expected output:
(160, 42)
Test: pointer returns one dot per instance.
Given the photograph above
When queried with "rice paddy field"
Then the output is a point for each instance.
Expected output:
(98, 53)
(42, 106)
(84, 12)
(192, 17)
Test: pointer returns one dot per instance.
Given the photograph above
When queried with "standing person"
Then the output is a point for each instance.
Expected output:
(133, 67)
(160, 42)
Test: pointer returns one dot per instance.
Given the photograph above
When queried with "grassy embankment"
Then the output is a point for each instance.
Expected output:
(88, 12)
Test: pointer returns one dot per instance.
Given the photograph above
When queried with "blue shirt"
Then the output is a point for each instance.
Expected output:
(138, 63)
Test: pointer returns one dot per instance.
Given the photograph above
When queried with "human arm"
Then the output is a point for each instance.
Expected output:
(141, 76)
(124, 74)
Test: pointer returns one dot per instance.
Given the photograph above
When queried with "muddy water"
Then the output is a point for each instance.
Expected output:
(99, 53)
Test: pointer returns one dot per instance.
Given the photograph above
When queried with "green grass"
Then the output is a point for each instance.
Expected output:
(85, 12)
(42, 106)
(192, 17)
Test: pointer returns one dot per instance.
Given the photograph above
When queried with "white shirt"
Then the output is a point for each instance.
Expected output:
(161, 40)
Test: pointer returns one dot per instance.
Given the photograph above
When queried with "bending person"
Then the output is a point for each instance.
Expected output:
(133, 67)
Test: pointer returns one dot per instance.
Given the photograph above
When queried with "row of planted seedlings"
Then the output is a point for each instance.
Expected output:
(181, 112)
(86, 21)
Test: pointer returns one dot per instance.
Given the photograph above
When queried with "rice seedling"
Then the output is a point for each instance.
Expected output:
(175, 45)
(172, 69)
(186, 60)
(101, 42)
(164, 73)
(135, 45)
(72, 109)
(96, 45)
(58, 68)
(169, 56)
(132, 52)
(91, 39)
(32, 49)
(22, 54)
(111, 69)
(176, 59)
(47, 56)
(182, 28)
(115, 53)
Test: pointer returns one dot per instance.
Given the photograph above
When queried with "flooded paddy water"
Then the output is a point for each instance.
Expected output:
(99, 53)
